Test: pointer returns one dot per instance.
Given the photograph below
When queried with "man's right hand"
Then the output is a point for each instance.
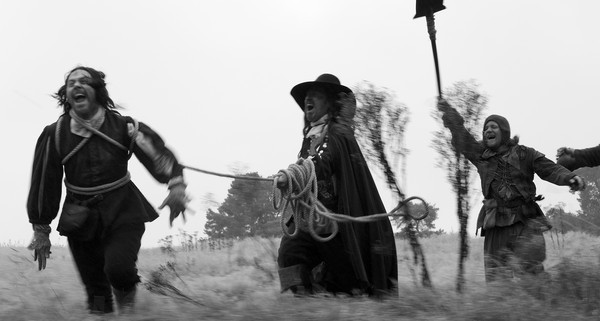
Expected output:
(564, 151)
(282, 181)
(565, 157)
(443, 105)
(41, 244)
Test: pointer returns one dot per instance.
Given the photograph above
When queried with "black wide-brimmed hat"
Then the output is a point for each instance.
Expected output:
(327, 81)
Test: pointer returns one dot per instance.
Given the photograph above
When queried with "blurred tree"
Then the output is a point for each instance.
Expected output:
(465, 97)
(589, 200)
(246, 211)
(379, 126)
(561, 220)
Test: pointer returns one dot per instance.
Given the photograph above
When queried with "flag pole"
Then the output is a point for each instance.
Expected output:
(427, 8)
(431, 30)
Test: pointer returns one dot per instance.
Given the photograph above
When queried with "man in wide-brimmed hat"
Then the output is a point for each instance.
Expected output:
(361, 258)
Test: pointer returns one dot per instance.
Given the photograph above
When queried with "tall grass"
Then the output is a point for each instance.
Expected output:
(240, 282)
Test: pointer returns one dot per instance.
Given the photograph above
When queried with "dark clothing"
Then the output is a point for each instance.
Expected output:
(587, 157)
(346, 187)
(304, 250)
(111, 265)
(91, 164)
(509, 212)
(98, 162)
(520, 241)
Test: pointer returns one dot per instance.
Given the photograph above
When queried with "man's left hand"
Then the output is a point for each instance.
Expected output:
(577, 183)
(177, 201)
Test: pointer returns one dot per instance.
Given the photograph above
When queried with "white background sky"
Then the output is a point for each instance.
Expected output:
(213, 78)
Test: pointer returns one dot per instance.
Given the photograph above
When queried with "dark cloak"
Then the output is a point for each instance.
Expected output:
(370, 246)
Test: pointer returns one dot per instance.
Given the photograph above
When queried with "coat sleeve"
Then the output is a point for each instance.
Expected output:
(152, 152)
(588, 157)
(45, 189)
(550, 171)
(462, 140)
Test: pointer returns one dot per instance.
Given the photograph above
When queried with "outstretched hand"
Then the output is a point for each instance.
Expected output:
(177, 201)
(564, 152)
(40, 244)
(577, 183)
(565, 157)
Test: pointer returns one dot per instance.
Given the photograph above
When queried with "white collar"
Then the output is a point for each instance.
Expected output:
(95, 122)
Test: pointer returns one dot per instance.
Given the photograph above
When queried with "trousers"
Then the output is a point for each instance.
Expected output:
(108, 260)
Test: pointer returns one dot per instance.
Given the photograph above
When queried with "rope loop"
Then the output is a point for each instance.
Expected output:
(310, 214)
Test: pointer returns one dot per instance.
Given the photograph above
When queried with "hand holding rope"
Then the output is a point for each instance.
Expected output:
(301, 177)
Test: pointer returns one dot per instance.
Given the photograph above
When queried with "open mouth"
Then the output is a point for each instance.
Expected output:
(79, 97)
(309, 107)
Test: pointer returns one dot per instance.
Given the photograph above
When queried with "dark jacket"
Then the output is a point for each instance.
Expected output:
(96, 163)
(520, 162)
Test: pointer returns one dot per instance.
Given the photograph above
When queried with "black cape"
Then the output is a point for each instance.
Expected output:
(371, 246)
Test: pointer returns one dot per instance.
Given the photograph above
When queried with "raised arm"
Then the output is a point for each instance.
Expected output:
(462, 140)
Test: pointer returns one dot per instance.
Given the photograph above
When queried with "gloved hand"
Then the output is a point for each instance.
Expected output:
(443, 105)
(577, 183)
(282, 181)
(177, 201)
(40, 244)
(565, 157)
(566, 151)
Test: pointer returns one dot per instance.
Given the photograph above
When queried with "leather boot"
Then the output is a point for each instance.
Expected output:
(125, 299)
(99, 304)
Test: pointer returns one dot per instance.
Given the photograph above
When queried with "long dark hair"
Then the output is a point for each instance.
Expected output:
(97, 83)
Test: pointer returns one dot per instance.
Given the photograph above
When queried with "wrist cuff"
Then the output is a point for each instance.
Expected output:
(175, 181)
(44, 228)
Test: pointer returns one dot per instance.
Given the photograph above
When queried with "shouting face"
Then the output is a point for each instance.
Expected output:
(492, 136)
(316, 104)
(80, 94)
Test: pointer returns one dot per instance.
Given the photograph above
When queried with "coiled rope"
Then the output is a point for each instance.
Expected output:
(308, 212)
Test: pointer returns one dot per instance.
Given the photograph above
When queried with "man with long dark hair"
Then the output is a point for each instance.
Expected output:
(103, 214)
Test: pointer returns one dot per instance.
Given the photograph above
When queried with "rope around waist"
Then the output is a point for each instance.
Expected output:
(104, 188)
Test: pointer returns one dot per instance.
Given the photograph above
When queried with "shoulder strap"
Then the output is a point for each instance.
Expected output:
(57, 133)
(134, 134)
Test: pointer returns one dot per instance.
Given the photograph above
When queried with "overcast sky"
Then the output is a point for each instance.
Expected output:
(213, 78)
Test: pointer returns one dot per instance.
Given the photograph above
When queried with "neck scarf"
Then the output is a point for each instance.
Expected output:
(316, 133)
(317, 127)
(95, 122)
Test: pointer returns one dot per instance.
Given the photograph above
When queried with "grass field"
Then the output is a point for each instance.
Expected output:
(239, 282)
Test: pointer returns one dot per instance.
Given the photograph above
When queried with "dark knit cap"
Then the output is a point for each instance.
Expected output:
(502, 123)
